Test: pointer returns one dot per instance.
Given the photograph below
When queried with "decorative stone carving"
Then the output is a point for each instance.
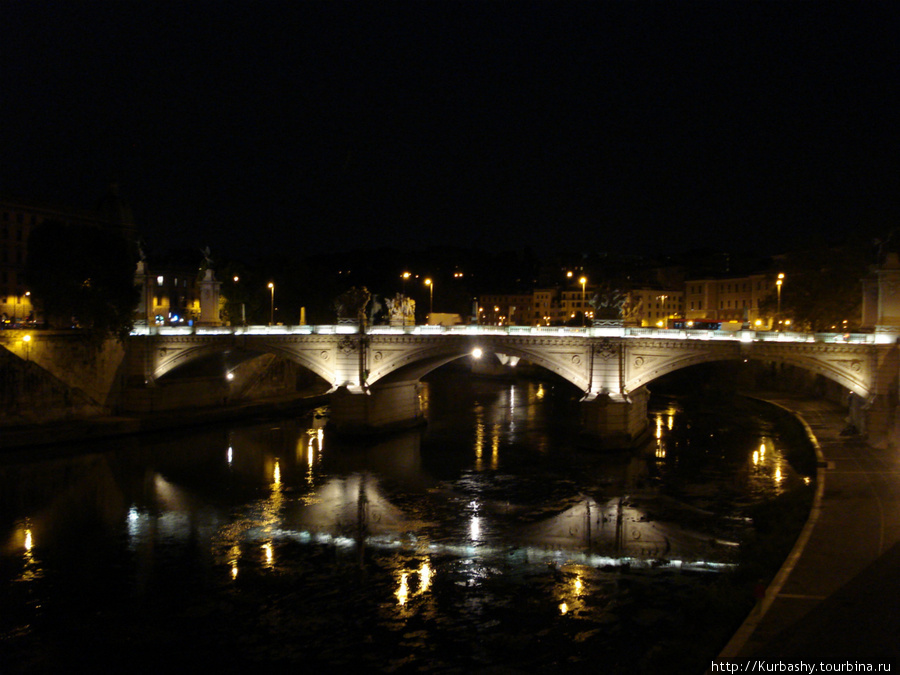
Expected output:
(606, 349)
(347, 345)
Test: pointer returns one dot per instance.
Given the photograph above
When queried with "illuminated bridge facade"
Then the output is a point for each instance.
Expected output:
(374, 375)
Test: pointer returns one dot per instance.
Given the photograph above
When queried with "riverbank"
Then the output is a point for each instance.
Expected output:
(102, 427)
(834, 598)
(715, 611)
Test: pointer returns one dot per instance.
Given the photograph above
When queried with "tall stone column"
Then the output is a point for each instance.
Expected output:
(142, 313)
(209, 300)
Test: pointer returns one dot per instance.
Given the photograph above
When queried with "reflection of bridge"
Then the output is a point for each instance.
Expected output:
(375, 374)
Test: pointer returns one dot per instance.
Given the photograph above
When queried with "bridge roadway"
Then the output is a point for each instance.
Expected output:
(375, 373)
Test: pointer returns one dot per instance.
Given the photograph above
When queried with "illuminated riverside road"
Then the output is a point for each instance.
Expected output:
(488, 540)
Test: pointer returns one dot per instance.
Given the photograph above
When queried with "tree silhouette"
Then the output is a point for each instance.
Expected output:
(82, 274)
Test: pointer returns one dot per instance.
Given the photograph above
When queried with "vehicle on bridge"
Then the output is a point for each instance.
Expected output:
(694, 324)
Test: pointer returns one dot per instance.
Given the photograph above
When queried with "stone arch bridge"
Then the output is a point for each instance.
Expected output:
(374, 375)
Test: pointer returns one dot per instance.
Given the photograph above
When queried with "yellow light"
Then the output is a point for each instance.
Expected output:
(270, 554)
(276, 475)
(582, 281)
(428, 282)
(563, 608)
(756, 457)
(477, 353)
(28, 541)
(403, 592)
(579, 586)
(234, 569)
(425, 575)
(26, 338)
(406, 275)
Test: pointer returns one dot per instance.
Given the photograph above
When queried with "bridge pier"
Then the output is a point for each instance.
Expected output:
(381, 408)
(616, 421)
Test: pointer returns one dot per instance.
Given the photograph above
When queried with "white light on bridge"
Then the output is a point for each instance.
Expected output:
(477, 353)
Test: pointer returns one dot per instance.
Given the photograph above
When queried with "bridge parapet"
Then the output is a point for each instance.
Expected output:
(878, 337)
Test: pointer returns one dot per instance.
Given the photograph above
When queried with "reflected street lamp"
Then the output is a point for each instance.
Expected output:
(272, 309)
(430, 284)
(583, 281)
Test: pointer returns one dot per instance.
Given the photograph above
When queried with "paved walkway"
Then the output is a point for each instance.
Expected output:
(838, 595)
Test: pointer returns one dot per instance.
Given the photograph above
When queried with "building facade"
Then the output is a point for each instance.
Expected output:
(731, 300)
(650, 307)
(505, 310)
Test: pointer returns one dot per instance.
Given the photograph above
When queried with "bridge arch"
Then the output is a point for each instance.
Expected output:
(173, 353)
(567, 358)
(846, 365)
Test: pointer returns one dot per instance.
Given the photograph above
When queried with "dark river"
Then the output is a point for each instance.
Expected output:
(487, 542)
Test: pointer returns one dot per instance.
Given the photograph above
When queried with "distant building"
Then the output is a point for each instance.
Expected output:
(650, 307)
(17, 220)
(174, 296)
(506, 309)
(735, 299)
(545, 308)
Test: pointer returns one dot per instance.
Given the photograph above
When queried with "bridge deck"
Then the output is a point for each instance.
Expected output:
(544, 331)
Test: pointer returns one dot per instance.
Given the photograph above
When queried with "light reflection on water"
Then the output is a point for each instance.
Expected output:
(494, 500)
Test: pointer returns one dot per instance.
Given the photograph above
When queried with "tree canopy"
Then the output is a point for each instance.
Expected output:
(83, 275)
(822, 288)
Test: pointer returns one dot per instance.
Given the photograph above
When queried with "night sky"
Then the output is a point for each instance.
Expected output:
(306, 127)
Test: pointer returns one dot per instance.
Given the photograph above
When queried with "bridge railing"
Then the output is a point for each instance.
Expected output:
(563, 331)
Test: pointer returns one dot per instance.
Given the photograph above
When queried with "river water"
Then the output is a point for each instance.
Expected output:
(489, 541)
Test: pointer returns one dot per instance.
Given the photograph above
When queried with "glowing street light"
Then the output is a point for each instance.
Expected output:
(272, 310)
(778, 284)
(583, 281)
(430, 284)
(404, 276)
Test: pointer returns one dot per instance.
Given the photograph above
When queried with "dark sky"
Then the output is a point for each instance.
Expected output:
(301, 127)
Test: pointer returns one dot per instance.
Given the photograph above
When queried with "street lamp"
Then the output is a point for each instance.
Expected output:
(430, 284)
(778, 284)
(583, 281)
(272, 310)
(404, 305)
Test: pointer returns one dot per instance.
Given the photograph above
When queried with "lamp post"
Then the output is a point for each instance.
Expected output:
(404, 276)
(430, 284)
(583, 281)
(272, 306)
(778, 283)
